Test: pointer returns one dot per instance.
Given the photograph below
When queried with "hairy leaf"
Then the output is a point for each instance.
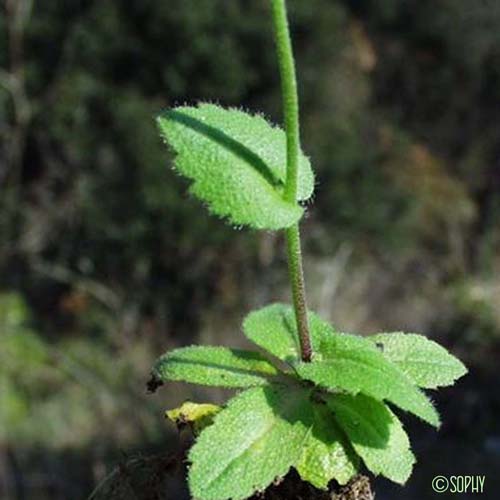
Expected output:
(354, 364)
(341, 361)
(218, 366)
(253, 441)
(326, 455)
(376, 434)
(237, 162)
(427, 363)
(273, 328)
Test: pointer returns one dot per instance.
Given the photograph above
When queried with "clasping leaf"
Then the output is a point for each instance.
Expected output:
(237, 163)
(341, 361)
(353, 364)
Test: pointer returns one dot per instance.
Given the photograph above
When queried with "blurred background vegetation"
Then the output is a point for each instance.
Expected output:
(106, 262)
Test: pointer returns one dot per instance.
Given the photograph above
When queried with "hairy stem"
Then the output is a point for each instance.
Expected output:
(298, 290)
(291, 112)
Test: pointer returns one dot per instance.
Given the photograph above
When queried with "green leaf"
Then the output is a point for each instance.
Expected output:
(237, 162)
(341, 361)
(326, 455)
(376, 434)
(425, 362)
(217, 366)
(274, 329)
(354, 364)
(253, 441)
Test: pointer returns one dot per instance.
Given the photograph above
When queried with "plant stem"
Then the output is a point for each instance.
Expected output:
(298, 290)
(291, 112)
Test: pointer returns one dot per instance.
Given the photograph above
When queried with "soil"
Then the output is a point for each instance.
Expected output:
(162, 477)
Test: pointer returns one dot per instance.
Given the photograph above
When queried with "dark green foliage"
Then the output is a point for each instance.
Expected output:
(94, 182)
